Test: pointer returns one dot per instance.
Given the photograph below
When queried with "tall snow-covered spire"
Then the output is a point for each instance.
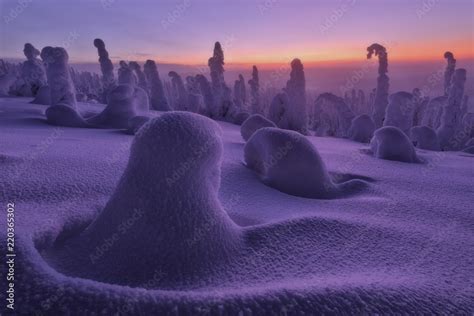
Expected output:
(255, 92)
(157, 93)
(381, 93)
(106, 66)
(448, 73)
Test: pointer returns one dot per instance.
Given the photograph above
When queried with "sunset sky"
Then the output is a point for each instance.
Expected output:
(251, 31)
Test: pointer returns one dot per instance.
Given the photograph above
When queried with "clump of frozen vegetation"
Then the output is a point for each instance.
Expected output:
(432, 114)
(107, 68)
(254, 123)
(58, 76)
(195, 99)
(140, 75)
(451, 117)
(400, 111)
(424, 137)
(254, 84)
(32, 71)
(121, 106)
(448, 73)
(391, 143)
(362, 129)
(157, 93)
(297, 118)
(332, 116)
(278, 110)
(223, 106)
(207, 95)
(126, 76)
(8, 75)
(381, 92)
(288, 161)
(179, 92)
(169, 190)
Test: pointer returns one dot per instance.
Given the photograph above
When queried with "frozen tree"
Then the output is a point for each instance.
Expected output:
(296, 91)
(58, 76)
(157, 93)
(8, 75)
(451, 117)
(424, 137)
(206, 92)
(381, 92)
(126, 74)
(32, 70)
(178, 92)
(223, 107)
(400, 111)
(194, 97)
(240, 94)
(243, 92)
(391, 143)
(107, 68)
(140, 75)
(332, 116)
(362, 129)
(254, 84)
(278, 112)
(420, 104)
(121, 107)
(448, 73)
(288, 161)
(254, 123)
(361, 107)
(432, 112)
(170, 190)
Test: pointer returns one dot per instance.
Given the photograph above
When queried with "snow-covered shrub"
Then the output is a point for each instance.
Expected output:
(451, 117)
(254, 123)
(391, 143)
(332, 116)
(362, 129)
(400, 111)
(288, 161)
(424, 137)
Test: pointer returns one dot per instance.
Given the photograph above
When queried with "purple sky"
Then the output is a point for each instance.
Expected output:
(260, 31)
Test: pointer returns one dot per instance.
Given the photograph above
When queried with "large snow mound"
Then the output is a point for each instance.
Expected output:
(362, 129)
(288, 162)
(254, 123)
(424, 137)
(391, 143)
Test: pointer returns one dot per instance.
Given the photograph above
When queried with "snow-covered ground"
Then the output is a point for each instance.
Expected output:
(403, 244)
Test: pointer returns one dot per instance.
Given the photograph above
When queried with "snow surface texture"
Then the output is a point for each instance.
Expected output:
(59, 77)
(362, 129)
(157, 94)
(160, 148)
(254, 123)
(400, 111)
(391, 143)
(381, 93)
(403, 247)
(287, 161)
(424, 137)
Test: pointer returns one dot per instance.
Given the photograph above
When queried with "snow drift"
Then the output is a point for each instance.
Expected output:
(391, 143)
(288, 161)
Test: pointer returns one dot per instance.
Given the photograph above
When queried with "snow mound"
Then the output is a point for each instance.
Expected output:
(289, 162)
(241, 117)
(424, 137)
(469, 150)
(64, 115)
(121, 106)
(391, 143)
(43, 96)
(168, 190)
(362, 129)
(254, 123)
(135, 123)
